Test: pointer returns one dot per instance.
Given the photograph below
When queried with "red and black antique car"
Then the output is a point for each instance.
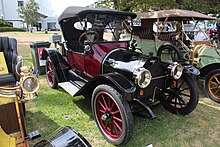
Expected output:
(98, 60)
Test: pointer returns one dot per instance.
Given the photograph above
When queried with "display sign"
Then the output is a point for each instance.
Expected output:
(3, 66)
(41, 61)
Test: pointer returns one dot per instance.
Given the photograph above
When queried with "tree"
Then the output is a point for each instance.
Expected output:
(203, 6)
(29, 13)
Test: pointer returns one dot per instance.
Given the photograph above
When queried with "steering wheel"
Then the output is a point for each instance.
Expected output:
(89, 36)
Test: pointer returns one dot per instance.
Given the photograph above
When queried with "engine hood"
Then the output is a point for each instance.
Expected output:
(124, 60)
(206, 55)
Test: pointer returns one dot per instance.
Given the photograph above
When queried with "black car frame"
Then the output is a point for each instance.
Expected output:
(98, 60)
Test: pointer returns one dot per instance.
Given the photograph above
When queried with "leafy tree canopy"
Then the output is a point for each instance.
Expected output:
(203, 6)
(29, 13)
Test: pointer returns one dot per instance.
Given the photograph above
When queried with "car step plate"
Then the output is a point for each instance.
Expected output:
(69, 87)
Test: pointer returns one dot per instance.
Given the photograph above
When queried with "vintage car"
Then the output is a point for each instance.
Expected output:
(98, 60)
(17, 85)
(186, 30)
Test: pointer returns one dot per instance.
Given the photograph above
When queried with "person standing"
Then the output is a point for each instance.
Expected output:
(218, 31)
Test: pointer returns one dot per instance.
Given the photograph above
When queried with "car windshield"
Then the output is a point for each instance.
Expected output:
(193, 30)
(105, 28)
(165, 27)
(196, 30)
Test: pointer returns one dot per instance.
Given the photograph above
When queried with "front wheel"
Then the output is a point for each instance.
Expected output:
(181, 96)
(212, 85)
(112, 115)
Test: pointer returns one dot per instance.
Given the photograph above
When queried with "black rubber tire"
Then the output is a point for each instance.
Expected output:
(191, 102)
(207, 85)
(177, 56)
(54, 83)
(125, 113)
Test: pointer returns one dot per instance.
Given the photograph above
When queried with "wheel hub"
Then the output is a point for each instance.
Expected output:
(106, 116)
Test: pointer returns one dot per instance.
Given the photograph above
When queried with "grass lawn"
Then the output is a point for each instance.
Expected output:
(55, 108)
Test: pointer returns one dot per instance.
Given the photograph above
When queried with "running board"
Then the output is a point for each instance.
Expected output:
(69, 87)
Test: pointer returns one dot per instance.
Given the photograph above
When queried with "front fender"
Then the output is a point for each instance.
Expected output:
(208, 68)
(206, 55)
(60, 65)
(171, 47)
(118, 81)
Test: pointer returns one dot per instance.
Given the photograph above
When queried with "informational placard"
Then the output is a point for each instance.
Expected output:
(41, 61)
(3, 65)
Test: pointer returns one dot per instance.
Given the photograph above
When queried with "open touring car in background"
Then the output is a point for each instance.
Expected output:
(97, 60)
(185, 30)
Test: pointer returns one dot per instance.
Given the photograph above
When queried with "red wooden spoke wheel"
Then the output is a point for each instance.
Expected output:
(112, 115)
(109, 115)
(50, 74)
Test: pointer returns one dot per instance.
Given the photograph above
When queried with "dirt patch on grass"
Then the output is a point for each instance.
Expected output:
(25, 38)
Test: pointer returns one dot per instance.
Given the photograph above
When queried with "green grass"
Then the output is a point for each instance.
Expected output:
(55, 108)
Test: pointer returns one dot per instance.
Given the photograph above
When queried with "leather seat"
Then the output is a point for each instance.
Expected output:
(9, 47)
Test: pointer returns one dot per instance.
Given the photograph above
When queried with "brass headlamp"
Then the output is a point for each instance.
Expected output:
(29, 84)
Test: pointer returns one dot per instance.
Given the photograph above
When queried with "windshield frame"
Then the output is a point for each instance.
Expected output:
(106, 23)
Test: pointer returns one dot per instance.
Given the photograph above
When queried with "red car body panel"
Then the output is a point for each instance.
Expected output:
(93, 59)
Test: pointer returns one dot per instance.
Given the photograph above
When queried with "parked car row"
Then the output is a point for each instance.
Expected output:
(127, 69)
(192, 43)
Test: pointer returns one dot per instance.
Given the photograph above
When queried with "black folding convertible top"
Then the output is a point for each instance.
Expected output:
(74, 11)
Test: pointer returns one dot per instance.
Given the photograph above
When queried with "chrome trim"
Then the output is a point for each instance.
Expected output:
(107, 55)
(138, 72)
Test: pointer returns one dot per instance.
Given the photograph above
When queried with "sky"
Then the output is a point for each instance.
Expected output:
(59, 5)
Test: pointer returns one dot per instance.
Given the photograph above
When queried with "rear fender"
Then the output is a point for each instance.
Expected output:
(118, 81)
(60, 65)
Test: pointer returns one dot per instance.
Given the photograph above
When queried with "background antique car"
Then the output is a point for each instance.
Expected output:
(186, 31)
(97, 61)
(17, 85)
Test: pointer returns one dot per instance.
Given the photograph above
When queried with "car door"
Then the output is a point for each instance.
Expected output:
(76, 61)
(93, 59)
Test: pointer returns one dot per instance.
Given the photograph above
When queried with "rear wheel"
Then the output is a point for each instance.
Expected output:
(50, 74)
(112, 115)
(182, 96)
(212, 85)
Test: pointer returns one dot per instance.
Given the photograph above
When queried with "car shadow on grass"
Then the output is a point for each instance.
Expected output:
(39, 121)
(84, 103)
